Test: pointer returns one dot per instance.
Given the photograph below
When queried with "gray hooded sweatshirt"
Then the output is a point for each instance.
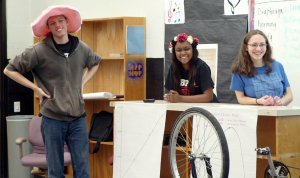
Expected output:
(57, 75)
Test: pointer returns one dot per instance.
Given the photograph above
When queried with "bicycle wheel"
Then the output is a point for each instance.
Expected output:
(280, 169)
(198, 146)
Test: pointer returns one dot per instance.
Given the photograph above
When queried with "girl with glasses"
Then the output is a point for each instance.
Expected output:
(258, 79)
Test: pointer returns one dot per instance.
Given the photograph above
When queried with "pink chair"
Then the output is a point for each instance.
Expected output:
(37, 159)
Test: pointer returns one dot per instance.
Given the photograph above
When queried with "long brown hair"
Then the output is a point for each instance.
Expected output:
(243, 63)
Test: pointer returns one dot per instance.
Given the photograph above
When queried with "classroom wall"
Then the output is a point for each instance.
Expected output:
(21, 13)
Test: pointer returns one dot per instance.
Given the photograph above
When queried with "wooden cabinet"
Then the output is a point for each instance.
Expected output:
(120, 42)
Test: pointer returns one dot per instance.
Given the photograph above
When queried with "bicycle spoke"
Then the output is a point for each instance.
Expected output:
(198, 139)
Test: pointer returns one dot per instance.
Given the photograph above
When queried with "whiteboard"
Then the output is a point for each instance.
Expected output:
(280, 21)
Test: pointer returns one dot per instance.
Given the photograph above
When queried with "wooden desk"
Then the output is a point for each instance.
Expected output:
(277, 127)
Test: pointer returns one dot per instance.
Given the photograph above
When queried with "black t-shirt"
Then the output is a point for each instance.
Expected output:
(202, 82)
(68, 47)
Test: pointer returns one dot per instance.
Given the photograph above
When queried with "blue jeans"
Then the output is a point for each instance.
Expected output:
(74, 134)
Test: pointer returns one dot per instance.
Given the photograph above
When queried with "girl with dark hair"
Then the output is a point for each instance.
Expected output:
(257, 78)
(189, 77)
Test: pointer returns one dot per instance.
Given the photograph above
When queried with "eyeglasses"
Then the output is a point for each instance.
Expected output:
(255, 45)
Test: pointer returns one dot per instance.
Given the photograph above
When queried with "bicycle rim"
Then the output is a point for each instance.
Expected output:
(197, 133)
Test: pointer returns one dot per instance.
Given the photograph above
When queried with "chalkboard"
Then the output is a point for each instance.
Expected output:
(280, 20)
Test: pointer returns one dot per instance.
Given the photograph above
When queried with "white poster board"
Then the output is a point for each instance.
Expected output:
(139, 129)
(209, 54)
(239, 125)
(138, 138)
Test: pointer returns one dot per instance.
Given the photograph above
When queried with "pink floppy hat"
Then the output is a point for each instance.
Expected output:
(40, 27)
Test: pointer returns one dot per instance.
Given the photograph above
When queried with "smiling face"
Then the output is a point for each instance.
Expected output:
(58, 26)
(256, 48)
(184, 53)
